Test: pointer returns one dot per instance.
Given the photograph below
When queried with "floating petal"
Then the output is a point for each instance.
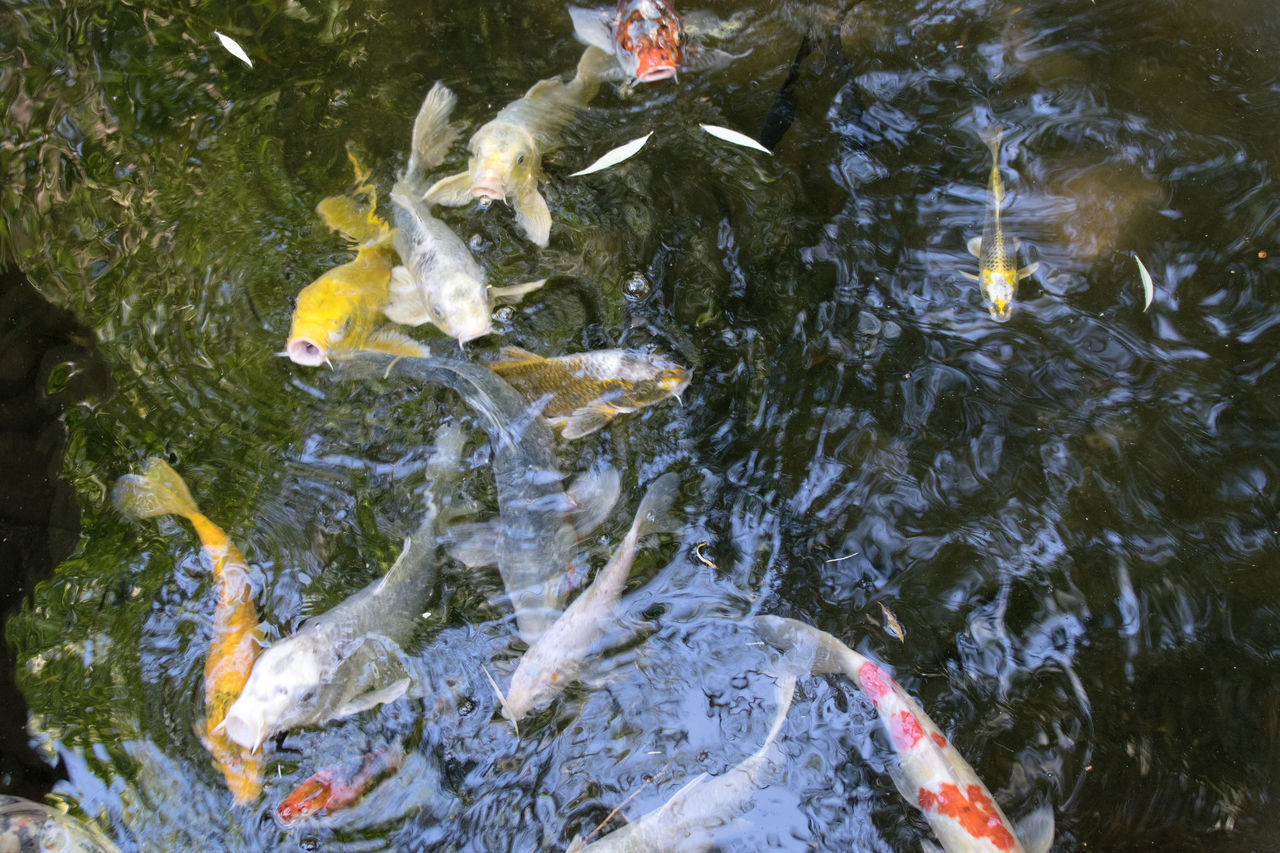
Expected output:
(233, 47)
(733, 136)
(1148, 289)
(616, 156)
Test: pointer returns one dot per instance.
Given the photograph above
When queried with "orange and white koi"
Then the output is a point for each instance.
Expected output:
(158, 490)
(930, 772)
(339, 787)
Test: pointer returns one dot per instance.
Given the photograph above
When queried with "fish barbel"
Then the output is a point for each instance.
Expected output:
(998, 272)
(589, 388)
(158, 490)
(931, 773)
(555, 659)
(439, 282)
(506, 153)
(31, 826)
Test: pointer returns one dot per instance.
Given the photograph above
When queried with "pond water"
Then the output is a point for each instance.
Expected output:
(1072, 515)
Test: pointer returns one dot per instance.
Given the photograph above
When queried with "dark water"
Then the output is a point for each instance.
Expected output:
(1073, 515)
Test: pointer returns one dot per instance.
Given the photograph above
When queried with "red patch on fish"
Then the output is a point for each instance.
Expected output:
(907, 732)
(939, 740)
(651, 31)
(872, 681)
(975, 813)
(307, 799)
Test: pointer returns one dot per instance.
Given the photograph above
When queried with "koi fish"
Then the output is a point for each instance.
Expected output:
(998, 272)
(556, 658)
(506, 153)
(337, 313)
(648, 38)
(930, 774)
(26, 825)
(339, 787)
(588, 389)
(685, 821)
(439, 282)
(158, 490)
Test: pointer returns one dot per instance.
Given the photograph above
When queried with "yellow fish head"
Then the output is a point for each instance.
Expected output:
(999, 288)
(324, 318)
(504, 162)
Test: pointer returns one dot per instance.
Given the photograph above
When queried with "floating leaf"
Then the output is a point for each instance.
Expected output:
(733, 136)
(1148, 289)
(616, 156)
(233, 47)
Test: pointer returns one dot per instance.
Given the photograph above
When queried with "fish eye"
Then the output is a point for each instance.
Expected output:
(308, 695)
(434, 308)
(519, 159)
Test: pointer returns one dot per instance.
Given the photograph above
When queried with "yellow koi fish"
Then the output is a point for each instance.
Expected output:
(998, 273)
(158, 490)
(589, 388)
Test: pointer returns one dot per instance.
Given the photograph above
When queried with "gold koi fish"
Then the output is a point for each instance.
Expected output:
(589, 388)
(998, 272)
(158, 490)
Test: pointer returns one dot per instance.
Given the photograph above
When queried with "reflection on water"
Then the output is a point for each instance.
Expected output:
(1072, 515)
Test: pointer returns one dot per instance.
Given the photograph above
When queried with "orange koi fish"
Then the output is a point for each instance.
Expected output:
(931, 774)
(158, 490)
(340, 786)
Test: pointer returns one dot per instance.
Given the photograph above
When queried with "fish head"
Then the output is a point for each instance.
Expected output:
(532, 685)
(282, 690)
(1000, 286)
(307, 799)
(458, 305)
(504, 161)
(652, 37)
(333, 311)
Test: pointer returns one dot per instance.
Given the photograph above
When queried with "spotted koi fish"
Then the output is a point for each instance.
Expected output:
(158, 490)
(339, 787)
(998, 271)
(931, 773)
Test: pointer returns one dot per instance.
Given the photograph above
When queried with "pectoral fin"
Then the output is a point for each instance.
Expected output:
(512, 294)
(1035, 831)
(1028, 270)
(534, 216)
(473, 545)
(404, 299)
(373, 698)
(510, 356)
(591, 496)
(709, 59)
(394, 342)
(975, 247)
(593, 27)
(372, 672)
(452, 191)
(585, 421)
(971, 276)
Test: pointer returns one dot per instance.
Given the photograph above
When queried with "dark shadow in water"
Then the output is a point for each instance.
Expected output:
(48, 361)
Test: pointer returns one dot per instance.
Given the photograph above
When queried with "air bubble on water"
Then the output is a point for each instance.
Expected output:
(868, 323)
(476, 243)
(505, 314)
(484, 203)
(637, 286)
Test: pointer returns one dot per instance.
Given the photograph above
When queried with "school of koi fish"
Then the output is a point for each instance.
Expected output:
(410, 269)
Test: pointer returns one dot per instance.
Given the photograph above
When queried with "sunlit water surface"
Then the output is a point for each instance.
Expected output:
(1072, 515)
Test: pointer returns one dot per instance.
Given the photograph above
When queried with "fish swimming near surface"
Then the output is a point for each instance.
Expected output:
(506, 153)
(589, 388)
(29, 826)
(341, 311)
(555, 659)
(648, 38)
(439, 281)
(158, 490)
(538, 523)
(930, 773)
(685, 821)
(339, 787)
(998, 272)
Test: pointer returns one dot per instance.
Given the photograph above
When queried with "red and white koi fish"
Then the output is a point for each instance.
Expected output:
(339, 787)
(647, 36)
(931, 773)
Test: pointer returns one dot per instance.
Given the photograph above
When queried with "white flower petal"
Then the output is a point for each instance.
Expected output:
(733, 136)
(616, 156)
(1148, 289)
(233, 47)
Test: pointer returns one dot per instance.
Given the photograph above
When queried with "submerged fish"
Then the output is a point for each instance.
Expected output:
(532, 539)
(339, 311)
(158, 490)
(554, 661)
(931, 774)
(998, 272)
(30, 826)
(589, 388)
(685, 821)
(506, 153)
(340, 786)
(648, 38)
(439, 282)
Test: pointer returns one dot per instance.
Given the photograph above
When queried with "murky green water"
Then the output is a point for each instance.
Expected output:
(1073, 515)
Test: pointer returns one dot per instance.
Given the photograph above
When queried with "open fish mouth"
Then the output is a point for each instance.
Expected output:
(654, 73)
(488, 192)
(305, 352)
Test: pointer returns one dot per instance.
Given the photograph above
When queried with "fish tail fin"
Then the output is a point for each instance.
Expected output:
(654, 514)
(432, 133)
(155, 490)
(502, 701)
(591, 70)
(993, 136)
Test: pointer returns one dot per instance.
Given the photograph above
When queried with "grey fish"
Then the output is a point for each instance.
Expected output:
(532, 539)
(438, 280)
(685, 821)
(555, 660)
(26, 825)
(998, 272)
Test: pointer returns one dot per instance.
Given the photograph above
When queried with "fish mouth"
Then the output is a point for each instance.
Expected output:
(655, 73)
(305, 352)
(488, 192)
(473, 331)
(242, 730)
